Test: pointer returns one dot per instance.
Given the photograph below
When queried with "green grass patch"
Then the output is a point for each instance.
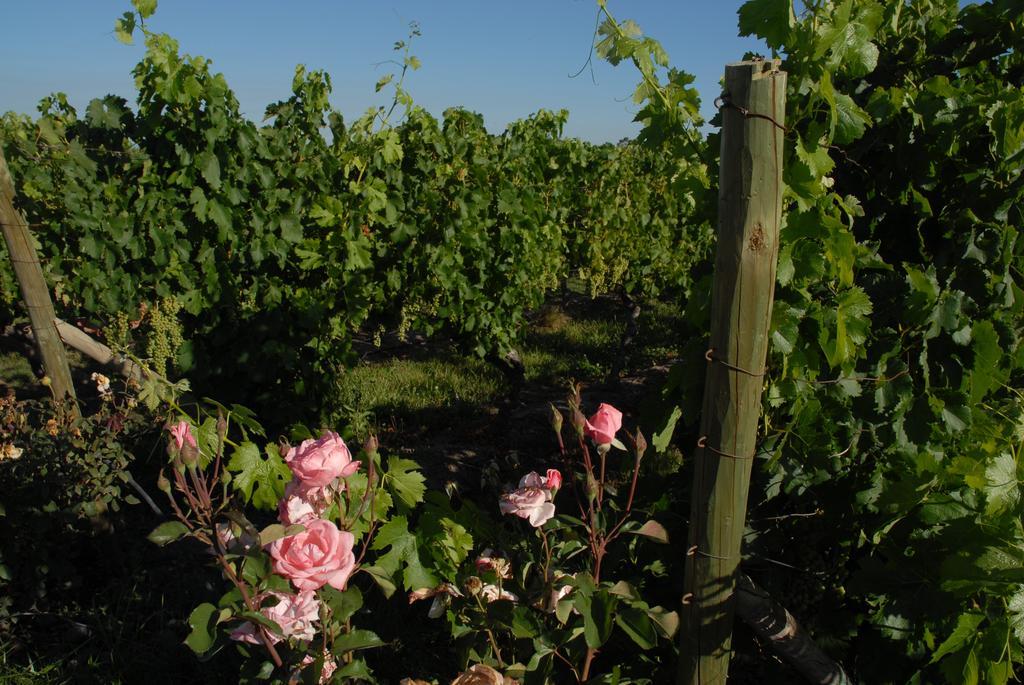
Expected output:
(374, 394)
(16, 372)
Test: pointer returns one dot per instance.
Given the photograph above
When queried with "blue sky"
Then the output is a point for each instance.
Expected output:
(502, 59)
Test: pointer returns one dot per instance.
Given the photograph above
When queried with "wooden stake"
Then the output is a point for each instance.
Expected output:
(750, 210)
(34, 291)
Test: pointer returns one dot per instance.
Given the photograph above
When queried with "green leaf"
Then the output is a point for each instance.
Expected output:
(663, 438)
(667, 621)
(209, 167)
(653, 530)
(167, 532)
(851, 120)
(291, 228)
(403, 553)
(769, 19)
(986, 373)
(638, 625)
(1015, 607)
(405, 481)
(843, 342)
(259, 480)
(145, 8)
(202, 621)
(598, 610)
(392, 148)
(383, 579)
(848, 40)
(124, 27)
(343, 604)
(1002, 491)
(356, 670)
(357, 639)
(964, 634)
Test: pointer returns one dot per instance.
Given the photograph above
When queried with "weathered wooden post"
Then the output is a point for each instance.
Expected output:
(34, 290)
(749, 213)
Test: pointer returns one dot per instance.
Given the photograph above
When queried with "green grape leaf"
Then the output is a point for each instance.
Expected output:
(1015, 607)
(209, 167)
(405, 481)
(770, 19)
(124, 27)
(145, 8)
(259, 480)
(1002, 491)
(402, 554)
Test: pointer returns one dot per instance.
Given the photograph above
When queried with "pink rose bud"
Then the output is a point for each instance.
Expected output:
(604, 424)
(579, 421)
(320, 555)
(318, 462)
(182, 434)
(554, 479)
(641, 444)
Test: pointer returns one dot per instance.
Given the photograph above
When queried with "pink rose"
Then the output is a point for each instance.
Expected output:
(529, 503)
(182, 433)
(604, 424)
(318, 462)
(295, 614)
(554, 479)
(320, 555)
(301, 504)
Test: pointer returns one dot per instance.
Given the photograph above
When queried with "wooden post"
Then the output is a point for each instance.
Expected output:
(749, 213)
(34, 291)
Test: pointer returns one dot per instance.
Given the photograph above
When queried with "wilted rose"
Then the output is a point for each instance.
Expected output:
(320, 555)
(604, 424)
(330, 666)
(480, 674)
(295, 614)
(492, 593)
(318, 462)
(497, 565)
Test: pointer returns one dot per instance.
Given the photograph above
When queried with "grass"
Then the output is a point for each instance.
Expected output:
(16, 371)
(425, 388)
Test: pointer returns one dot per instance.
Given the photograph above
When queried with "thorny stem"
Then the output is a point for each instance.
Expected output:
(591, 653)
(249, 600)
(547, 557)
(629, 503)
(490, 634)
(568, 663)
